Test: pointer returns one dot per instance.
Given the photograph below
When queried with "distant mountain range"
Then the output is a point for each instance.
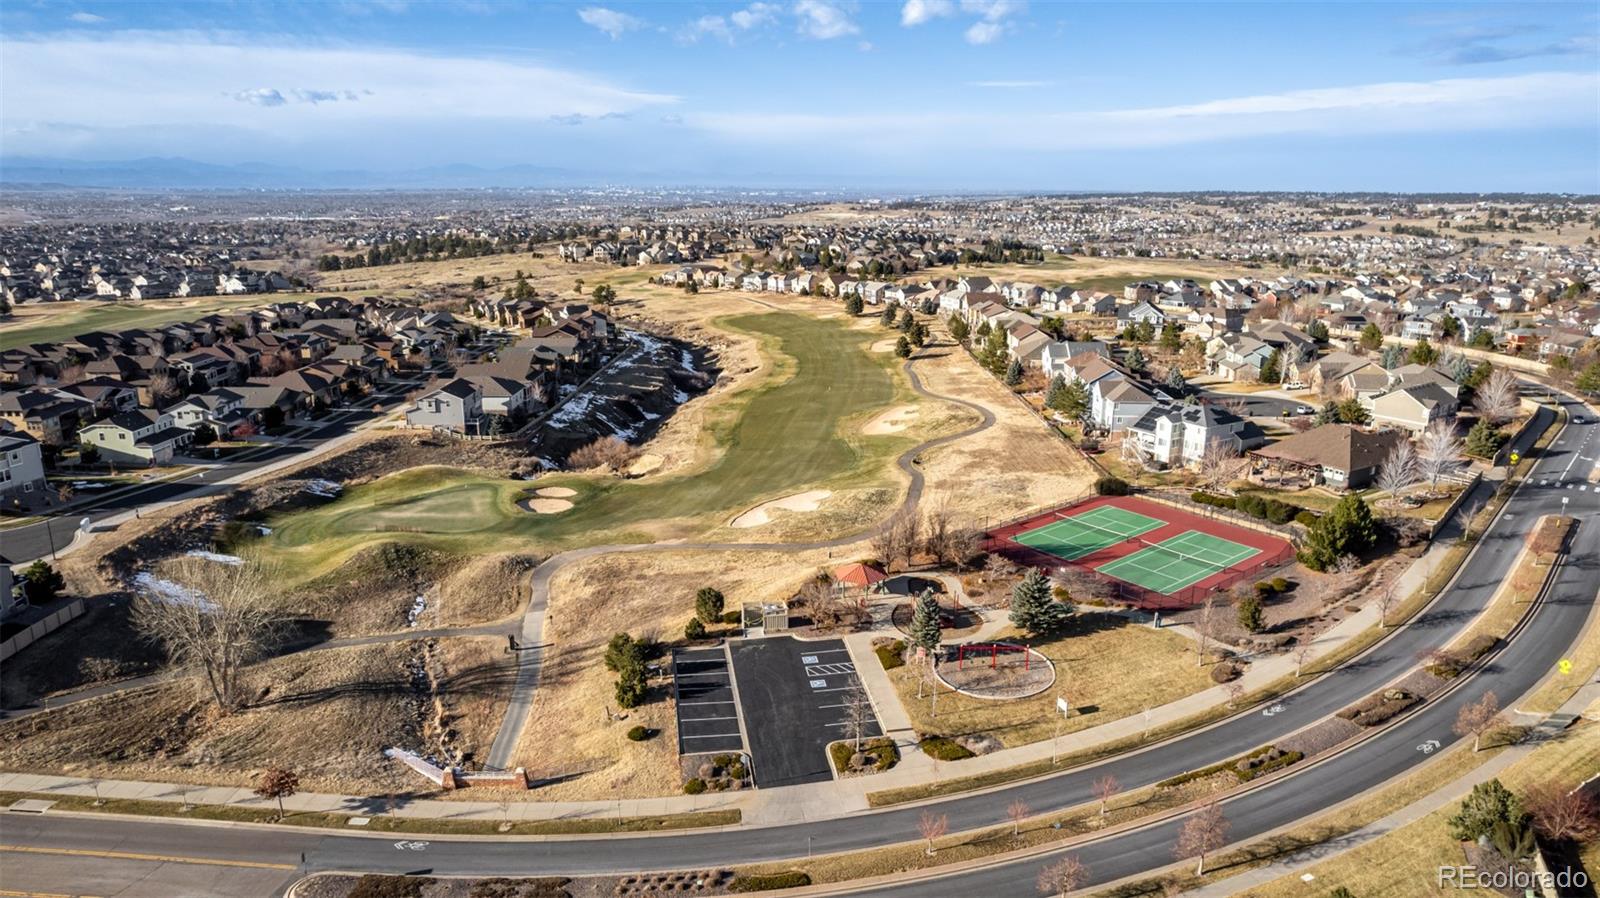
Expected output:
(157, 172)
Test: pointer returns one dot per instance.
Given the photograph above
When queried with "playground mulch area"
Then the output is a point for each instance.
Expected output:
(1158, 555)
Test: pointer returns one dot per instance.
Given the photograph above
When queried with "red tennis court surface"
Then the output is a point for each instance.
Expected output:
(1175, 522)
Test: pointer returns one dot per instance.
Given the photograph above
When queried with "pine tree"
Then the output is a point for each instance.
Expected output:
(1347, 529)
(1055, 394)
(1371, 337)
(1423, 353)
(1034, 608)
(1136, 361)
(1272, 371)
(853, 304)
(1589, 381)
(902, 347)
(959, 329)
(1014, 373)
(925, 621)
(1484, 440)
(1176, 380)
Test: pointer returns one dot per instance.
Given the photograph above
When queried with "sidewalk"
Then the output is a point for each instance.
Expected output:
(1443, 797)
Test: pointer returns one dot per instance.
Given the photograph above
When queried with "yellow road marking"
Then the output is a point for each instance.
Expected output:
(157, 858)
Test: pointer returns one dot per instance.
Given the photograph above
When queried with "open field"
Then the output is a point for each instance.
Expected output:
(782, 435)
(1107, 666)
(569, 742)
(50, 322)
(326, 715)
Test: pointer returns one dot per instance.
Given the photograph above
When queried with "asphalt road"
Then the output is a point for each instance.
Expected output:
(1255, 405)
(39, 539)
(1552, 628)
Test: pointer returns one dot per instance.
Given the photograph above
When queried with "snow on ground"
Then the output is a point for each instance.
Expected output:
(218, 557)
(327, 489)
(417, 607)
(169, 592)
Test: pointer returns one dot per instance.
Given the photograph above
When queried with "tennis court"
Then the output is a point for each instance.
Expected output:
(1173, 564)
(1072, 537)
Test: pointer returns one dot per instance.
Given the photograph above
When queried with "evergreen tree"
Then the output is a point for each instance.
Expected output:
(1392, 357)
(958, 328)
(1351, 411)
(1073, 401)
(1013, 373)
(1484, 440)
(1423, 353)
(1328, 414)
(1136, 361)
(1347, 529)
(995, 352)
(853, 304)
(902, 347)
(1489, 803)
(1250, 617)
(1272, 370)
(1171, 336)
(1371, 338)
(1317, 331)
(1176, 380)
(925, 622)
(708, 604)
(1588, 381)
(1055, 393)
(1034, 608)
(887, 317)
(919, 335)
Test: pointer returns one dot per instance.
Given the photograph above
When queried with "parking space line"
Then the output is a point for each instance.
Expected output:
(688, 704)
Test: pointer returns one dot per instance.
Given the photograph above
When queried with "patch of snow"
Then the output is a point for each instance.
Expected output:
(419, 605)
(327, 489)
(263, 529)
(688, 361)
(679, 396)
(170, 593)
(88, 485)
(218, 557)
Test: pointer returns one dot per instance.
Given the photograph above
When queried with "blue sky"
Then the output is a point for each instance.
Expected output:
(918, 95)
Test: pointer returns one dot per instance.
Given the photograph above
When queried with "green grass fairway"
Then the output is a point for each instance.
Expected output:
(83, 317)
(1083, 534)
(1178, 562)
(780, 436)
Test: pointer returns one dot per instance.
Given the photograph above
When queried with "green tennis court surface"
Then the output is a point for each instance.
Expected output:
(1079, 535)
(1181, 561)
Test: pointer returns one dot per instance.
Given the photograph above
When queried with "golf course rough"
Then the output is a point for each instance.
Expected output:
(784, 433)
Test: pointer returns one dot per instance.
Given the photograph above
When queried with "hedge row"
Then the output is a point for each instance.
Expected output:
(793, 879)
(944, 748)
(1274, 510)
(1252, 765)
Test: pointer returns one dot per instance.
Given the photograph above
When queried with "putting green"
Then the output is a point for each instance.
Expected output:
(775, 437)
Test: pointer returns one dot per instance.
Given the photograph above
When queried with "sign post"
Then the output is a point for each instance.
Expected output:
(1065, 707)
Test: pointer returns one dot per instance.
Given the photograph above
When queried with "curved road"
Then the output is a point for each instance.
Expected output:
(532, 635)
(1551, 628)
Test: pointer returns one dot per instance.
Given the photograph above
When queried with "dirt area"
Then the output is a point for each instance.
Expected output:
(326, 715)
(570, 742)
(1015, 466)
(892, 421)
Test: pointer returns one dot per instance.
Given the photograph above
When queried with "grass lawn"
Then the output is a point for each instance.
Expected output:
(1106, 666)
(788, 431)
(59, 321)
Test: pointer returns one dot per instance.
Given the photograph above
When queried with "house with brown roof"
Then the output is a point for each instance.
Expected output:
(1334, 455)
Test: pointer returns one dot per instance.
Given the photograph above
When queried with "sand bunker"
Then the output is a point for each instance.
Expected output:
(645, 464)
(541, 505)
(885, 345)
(761, 514)
(892, 421)
(556, 492)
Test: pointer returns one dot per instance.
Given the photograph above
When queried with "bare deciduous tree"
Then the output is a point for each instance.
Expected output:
(1386, 602)
(1498, 400)
(932, 827)
(1399, 471)
(1478, 718)
(1563, 813)
(1018, 812)
(1202, 833)
(1219, 465)
(611, 453)
(857, 714)
(163, 388)
(1105, 789)
(1063, 876)
(1302, 654)
(1207, 624)
(218, 620)
(1439, 453)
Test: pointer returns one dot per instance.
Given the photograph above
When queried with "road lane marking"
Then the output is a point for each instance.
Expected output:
(154, 858)
(11, 893)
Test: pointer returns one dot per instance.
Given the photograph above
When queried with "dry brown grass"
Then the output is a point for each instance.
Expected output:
(568, 738)
(326, 715)
(483, 588)
(1015, 466)
(1107, 667)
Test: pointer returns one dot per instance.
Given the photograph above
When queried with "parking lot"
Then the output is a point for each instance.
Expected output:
(793, 695)
(708, 718)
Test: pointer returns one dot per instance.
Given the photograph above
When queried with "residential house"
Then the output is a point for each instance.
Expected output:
(1414, 408)
(21, 468)
(1180, 434)
(1336, 455)
(457, 406)
(142, 436)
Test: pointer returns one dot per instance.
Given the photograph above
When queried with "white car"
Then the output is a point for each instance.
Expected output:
(1294, 385)
(1304, 410)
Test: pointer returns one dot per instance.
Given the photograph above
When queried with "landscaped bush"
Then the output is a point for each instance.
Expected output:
(880, 752)
(1214, 500)
(891, 654)
(1305, 517)
(1378, 707)
(1254, 506)
(793, 879)
(500, 887)
(1280, 585)
(694, 629)
(1111, 486)
(694, 786)
(944, 749)
(1261, 763)
(374, 885)
(730, 617)
(1280, 512)
(639, 733)
(1225, 672)
(1274, 510)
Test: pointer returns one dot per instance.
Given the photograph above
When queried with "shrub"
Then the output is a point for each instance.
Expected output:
(1263, 589)
(1226, 672)
(1280, 512)
(892, 654)
(944, 749)
(639, 733)
(694, 786)
(1111, 486)
(1254, 506)
(1280, 585)
(730, 617)
(374, 885)
(1378, 707)
(1250, 614)
(1305, 517)
(1263, 763)
(694, 629)
(500, 887)
(1214, 500)
(792, 879)
(708, 604)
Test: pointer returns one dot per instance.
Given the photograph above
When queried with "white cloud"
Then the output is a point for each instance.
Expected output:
(1446, 106)
(86, 18)
(821, 20)
(984, 32)
(754, 15)
(993, 10)
(915, 12)
(706, 26)
(610, 21)
(68, 93)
